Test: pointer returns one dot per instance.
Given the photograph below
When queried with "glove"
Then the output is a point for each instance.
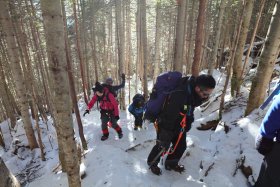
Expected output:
(86, 112)
(117, 117)
(165, 137)
(264, 145)
(123, 76)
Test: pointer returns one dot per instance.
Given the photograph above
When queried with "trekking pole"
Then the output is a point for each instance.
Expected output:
(156, 157)
(270, 97)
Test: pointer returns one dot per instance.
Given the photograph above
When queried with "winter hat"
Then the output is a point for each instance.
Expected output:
(98, 87)
(109, 81)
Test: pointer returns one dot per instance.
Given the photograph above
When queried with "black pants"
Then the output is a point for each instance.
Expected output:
(138, 121)
(269, 173)
(172, 159)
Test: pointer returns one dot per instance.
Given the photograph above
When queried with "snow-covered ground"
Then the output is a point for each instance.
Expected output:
(210, 159)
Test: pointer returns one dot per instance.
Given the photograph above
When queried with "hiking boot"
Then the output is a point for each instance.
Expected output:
(136, 127)
(120, 134)
(104, 137)
(155, 169)
(177, 168)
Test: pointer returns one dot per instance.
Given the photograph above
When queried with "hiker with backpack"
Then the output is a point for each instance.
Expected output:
(108, 109)
(268, 144)
(114, 88)
(175, 115)
(136, 108)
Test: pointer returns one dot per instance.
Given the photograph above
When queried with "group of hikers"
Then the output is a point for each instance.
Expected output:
(174, 116)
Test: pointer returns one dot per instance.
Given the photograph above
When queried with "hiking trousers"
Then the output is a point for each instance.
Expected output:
(138, 120)
(105, 118)
(172, 159)
(269, 173)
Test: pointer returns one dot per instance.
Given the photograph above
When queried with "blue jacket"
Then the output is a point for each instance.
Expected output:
(136, 111)
(270, 127)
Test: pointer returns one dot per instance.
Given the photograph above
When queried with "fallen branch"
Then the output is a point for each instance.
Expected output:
(208, 169)
(133, 148)
(209, 102)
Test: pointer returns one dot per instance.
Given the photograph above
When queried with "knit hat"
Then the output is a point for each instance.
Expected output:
(98, 87)
(109, 81)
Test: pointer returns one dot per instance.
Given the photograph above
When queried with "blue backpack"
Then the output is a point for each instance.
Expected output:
(165, 84)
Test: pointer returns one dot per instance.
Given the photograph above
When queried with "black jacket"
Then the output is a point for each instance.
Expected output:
(182, 100)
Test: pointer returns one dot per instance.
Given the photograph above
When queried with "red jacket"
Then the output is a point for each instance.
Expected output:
(106, 105)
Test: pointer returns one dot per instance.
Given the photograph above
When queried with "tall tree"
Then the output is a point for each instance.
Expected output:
(253, 36)
(129, 44)
(199, 37)
(213, 60)
(13, 54)
(121, 48)
(144, 46)
(237, 65)
(157, 40)
(54, 31)
(5, 98)
(80, 54)
(71, 81)
(266, 65)
(180, 35)
(190, 37)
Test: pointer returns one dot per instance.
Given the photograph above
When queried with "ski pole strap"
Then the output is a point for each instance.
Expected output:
(183, 124)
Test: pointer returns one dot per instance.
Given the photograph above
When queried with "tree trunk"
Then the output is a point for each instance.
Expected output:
(157, 40)
(2, 141)
(93, 43)
(36, 118)
(121, 48)
(13, 54)
(80, 55)
(5, 98)
(144, 45)
(266, 64)
(7, 178)
(229, 64)
(71, 81)
(213, 60)
(253, 38)
(54, 31)
(139, 48)
(190, 38)
(237, 65)
(128, 46)
(180, 36)
(199, 37)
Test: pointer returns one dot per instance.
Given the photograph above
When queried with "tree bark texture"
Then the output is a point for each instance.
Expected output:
(237, 65)
(71, 81)
(266, 65)
(180, 36)
(199, 37)
(54, 31)
(13, 55)
(213, 60)
(80, 55)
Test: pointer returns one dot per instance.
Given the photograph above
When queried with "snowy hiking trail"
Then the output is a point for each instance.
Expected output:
(210, 158)
(108, 163)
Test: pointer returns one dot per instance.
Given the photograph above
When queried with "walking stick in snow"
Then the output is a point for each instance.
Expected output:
(276, 91)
